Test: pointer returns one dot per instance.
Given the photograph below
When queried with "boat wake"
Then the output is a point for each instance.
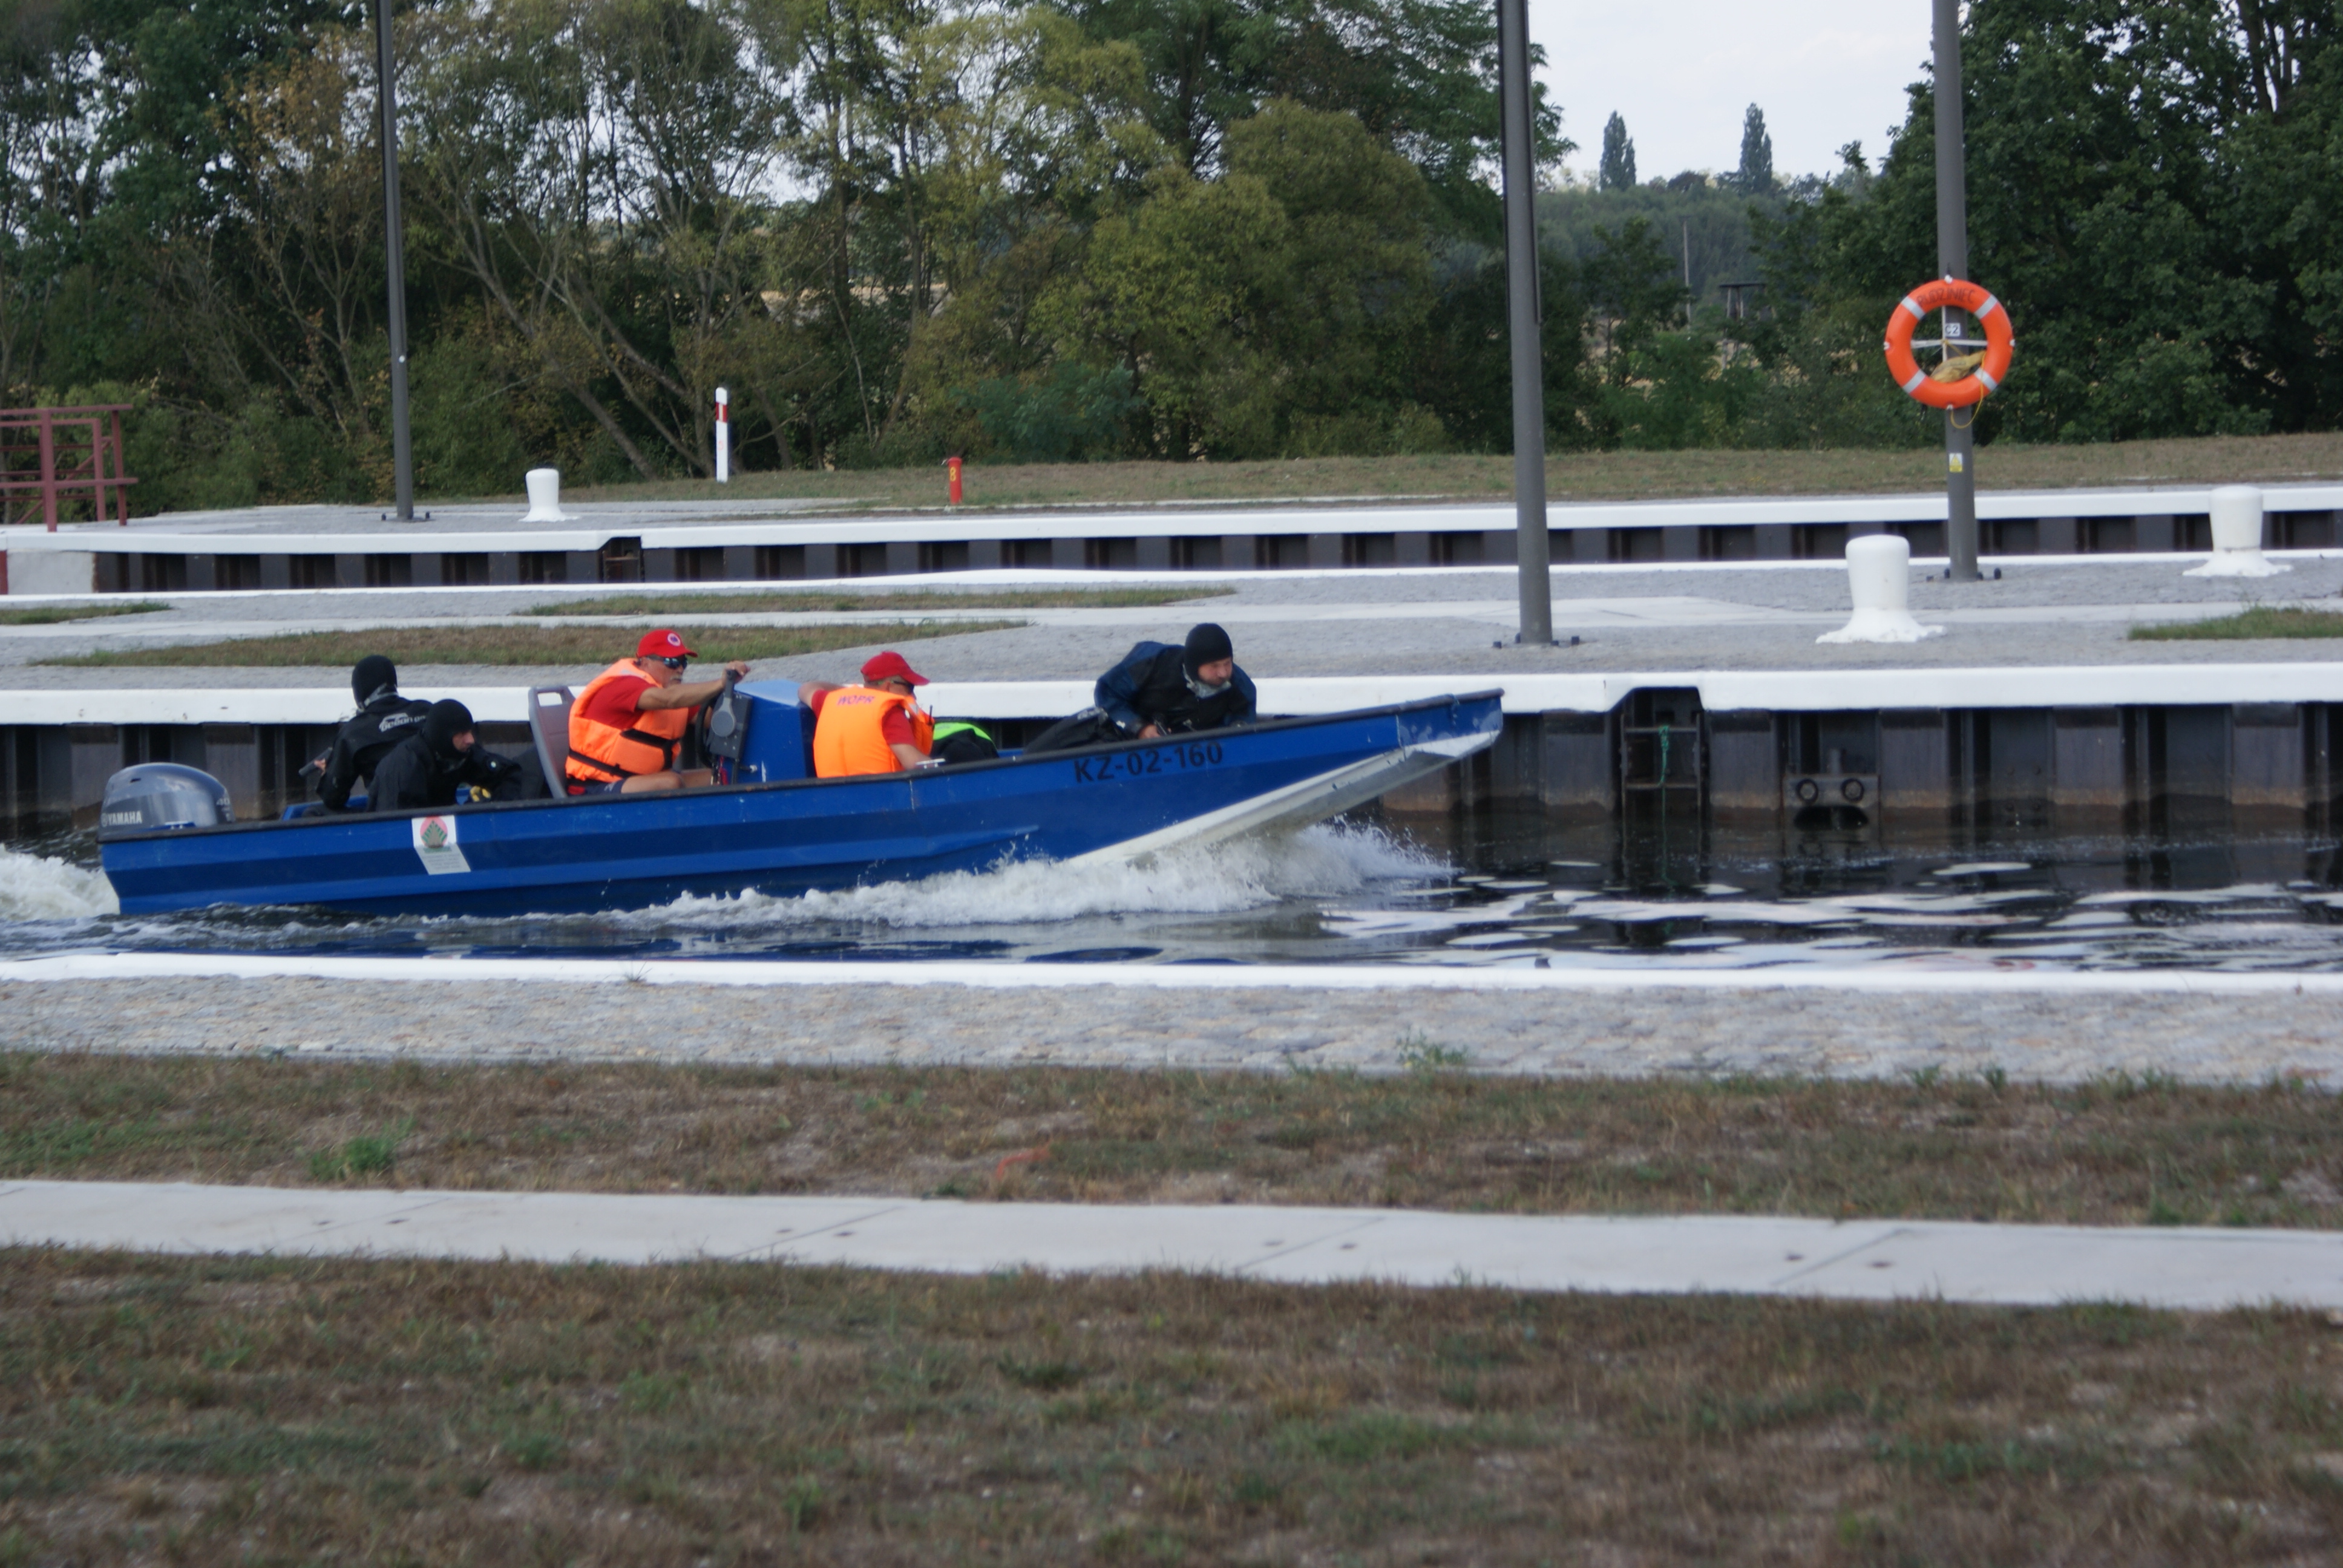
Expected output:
(43, 887)
(1318, 861)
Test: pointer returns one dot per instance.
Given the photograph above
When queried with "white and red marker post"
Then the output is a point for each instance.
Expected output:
(723, 437)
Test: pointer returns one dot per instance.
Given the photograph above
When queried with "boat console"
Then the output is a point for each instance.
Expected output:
(762, 730)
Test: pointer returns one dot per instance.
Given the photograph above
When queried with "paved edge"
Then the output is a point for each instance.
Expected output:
(1947, 974)
(860, 1016)
(1861, 1260)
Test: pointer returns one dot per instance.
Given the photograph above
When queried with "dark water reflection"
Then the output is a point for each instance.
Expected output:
(1490, 890)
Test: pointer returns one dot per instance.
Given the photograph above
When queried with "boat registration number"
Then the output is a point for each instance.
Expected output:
(1180, 758)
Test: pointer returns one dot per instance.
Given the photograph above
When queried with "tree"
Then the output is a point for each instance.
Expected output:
(1420, 75)
(2120, 206)
(1755, 175)
(1281, 306)
(1617, 170)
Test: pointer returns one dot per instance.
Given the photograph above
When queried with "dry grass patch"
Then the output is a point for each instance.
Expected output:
(223, 1411)
(535, 646)
(2116, 1151)
(1571, 476)
(58, 614)
(770, 602)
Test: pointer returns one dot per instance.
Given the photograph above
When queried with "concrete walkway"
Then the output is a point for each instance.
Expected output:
(2195, 1269)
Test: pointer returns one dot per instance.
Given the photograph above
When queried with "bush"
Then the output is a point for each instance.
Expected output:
(1069, 414)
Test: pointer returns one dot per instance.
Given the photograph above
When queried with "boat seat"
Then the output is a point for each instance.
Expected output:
(548, 724)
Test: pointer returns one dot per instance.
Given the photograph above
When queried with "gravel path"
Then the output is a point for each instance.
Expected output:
(1566, 1032)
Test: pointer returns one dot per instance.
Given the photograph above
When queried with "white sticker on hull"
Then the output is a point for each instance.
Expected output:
(434, 844)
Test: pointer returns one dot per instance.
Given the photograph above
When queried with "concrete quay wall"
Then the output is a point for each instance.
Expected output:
(2085, 769)
(155, 559)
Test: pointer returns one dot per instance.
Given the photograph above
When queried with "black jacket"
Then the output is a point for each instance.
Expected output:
(1151, 687)
(364, 742)
(417, 778)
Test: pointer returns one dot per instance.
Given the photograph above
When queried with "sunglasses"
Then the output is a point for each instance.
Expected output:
(675, 663)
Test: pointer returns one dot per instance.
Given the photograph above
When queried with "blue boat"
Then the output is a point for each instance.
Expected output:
(166, 842)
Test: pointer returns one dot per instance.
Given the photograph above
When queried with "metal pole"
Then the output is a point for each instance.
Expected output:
(1952, 261)
(1522, 311)
(402, 447)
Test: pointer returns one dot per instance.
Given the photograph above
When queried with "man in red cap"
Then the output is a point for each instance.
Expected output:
(873, 727)
(625, 725)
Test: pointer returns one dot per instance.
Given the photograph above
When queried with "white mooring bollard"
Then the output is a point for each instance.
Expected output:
(2238, 537)
(1879, 576)
(545, 496)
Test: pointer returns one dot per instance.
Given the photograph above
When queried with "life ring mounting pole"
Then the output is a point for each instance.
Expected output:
(1952, 261)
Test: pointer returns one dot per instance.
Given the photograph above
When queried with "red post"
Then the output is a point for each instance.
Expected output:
(951, 464)
(48, 471)
(121, 495)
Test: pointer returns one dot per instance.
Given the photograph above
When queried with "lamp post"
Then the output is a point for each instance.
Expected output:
(402, 447)
(1952, 261)
(1521, 314)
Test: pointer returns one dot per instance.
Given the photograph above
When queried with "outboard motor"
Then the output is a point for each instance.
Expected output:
(154, 796)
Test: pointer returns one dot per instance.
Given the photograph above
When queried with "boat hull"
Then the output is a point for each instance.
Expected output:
(626, 852)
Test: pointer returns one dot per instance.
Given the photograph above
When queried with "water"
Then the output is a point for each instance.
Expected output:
(1495, 894)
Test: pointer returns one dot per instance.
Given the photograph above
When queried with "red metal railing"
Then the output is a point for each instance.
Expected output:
(50, 457)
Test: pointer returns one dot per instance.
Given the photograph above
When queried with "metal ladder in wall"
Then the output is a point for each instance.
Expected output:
(1662, 750)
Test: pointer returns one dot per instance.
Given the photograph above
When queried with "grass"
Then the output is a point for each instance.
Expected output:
(232, 1411)
(2254, 621)
(55, 614)
(1569, 476)
(767, 602)
(534, 645)
(2114, 1151)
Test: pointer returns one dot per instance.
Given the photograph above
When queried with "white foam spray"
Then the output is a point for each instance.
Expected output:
(1318, 861)
(43, 887)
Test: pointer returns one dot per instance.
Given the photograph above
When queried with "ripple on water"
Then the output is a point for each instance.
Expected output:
(1358, 894)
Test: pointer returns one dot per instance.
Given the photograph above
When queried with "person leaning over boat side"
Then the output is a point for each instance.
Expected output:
(1160, 688)
(438, 763)
(625, 726)
(873, 727)
(384, 719)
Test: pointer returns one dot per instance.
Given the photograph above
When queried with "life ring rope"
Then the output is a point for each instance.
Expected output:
(2000, 342)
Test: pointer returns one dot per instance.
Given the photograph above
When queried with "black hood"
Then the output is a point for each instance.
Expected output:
(448, 719)
(1206, 644)
(373, 676)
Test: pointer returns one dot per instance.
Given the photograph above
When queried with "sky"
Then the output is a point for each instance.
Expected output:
(1683, 72)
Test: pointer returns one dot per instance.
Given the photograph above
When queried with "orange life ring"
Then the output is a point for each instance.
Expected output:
(1998, 343)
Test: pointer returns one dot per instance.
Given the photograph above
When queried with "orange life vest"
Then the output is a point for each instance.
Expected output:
(851, 738)
(599, 751)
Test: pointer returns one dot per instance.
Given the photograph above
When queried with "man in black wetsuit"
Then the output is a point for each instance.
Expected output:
(1160, 688)
(438, 759)
(384, 719)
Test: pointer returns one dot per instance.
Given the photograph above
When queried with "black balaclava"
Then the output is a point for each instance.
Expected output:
(1207, 644)
(373, 676)
(448, 719)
